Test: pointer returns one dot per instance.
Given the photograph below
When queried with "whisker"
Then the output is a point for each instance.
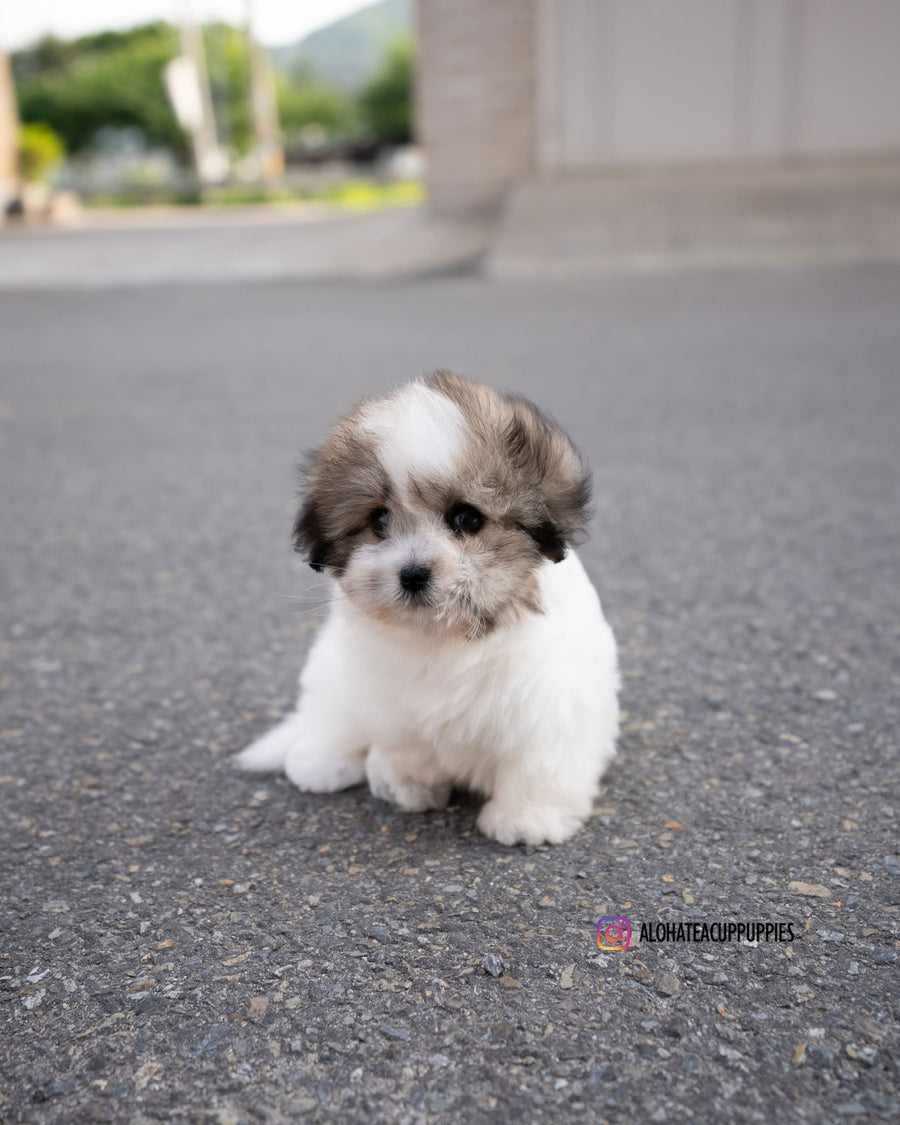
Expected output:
(306, 590)
(308, 606)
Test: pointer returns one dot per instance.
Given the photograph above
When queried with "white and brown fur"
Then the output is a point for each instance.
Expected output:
(465, 644)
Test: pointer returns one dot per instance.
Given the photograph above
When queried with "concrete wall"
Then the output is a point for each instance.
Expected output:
(476, 98)
(507, 88)
(631, 82)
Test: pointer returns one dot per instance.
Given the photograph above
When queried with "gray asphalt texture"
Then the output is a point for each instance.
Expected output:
(179, 942)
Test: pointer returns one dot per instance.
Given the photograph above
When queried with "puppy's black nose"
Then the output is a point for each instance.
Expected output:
(414, 578)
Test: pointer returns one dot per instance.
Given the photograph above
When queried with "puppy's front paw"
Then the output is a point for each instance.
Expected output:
(388, 784)
(527, 823)
(317, 771)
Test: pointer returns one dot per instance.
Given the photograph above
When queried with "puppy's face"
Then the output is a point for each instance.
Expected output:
(434, 507)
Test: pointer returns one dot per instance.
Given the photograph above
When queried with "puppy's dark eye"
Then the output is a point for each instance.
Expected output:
(465, 520)
(379, 520)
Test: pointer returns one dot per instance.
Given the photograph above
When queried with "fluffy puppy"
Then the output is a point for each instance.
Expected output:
(465, 645)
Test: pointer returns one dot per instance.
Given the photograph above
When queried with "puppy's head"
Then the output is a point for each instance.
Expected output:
(434, 507)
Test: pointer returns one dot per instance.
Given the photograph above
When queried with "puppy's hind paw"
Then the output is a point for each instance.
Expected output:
(315, 771)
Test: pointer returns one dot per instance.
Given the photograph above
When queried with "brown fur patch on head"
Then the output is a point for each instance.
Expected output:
(523, 462)
(344, 483)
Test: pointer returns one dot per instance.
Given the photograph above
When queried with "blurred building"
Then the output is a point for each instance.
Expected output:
(511, 90)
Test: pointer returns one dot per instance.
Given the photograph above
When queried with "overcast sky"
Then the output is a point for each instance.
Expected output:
(276, 21)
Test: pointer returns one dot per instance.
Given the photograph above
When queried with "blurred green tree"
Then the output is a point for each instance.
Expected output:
(49, 53)
(115, 78)
(304, 102)
(385, 102)
(228, 67)
(111, 79)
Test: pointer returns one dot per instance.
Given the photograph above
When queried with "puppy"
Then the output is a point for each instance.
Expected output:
(465, 645)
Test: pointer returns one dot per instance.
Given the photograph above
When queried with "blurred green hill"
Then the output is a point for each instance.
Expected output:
(348, 52)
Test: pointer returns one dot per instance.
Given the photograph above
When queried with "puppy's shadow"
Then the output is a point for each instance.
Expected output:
(457, 818)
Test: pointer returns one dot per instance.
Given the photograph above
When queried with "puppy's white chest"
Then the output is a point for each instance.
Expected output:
(438, 701)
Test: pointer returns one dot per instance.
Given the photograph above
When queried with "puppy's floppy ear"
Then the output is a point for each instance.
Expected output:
(342, 483)
(309, 535)
(556, 479)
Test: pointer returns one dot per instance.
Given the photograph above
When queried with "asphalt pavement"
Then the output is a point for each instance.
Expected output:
(182, 943)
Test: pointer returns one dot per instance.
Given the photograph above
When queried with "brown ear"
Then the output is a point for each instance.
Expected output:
(309, 536)
(557, 478)
(343, 483)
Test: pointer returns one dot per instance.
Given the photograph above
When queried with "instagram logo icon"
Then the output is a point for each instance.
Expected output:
(614, 933)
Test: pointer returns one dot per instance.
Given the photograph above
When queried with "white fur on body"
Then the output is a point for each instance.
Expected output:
(526, 715)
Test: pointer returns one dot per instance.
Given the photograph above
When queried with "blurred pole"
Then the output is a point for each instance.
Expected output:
(9, 135)
(209, 160)
(263, 106)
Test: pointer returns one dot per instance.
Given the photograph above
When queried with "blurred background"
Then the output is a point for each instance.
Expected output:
(565, 135)
(173, 104)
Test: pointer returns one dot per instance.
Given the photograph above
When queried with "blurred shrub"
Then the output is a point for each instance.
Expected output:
(385, 102)
(40, 148)
(365, 195)
(352, 195)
